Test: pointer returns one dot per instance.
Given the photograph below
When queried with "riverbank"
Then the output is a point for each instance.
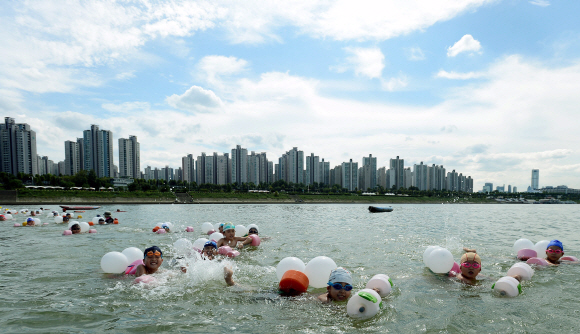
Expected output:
(140, 197)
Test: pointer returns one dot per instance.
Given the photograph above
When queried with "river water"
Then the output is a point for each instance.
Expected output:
(54, 283)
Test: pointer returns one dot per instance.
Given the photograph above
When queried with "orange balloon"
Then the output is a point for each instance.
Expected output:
(294, 281)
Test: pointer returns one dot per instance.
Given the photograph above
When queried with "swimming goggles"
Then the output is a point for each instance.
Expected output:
(339, 286)
(253, 230)
(150, 253)
(471, 265)
(557, 251)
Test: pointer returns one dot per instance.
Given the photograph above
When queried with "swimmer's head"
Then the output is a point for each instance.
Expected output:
(68, 214)
(30, 222)
(102, 221)
(210, 244)
(253, 230)
(65, 218)
(153, 258)
(2, 218)
(76, 229)
(229, 230)
(152, 251)
(556, 243)
(470, 265)
(554, 251)
(339, 284)
(229, 226)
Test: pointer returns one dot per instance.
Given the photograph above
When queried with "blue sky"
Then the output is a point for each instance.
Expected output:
(486, 87)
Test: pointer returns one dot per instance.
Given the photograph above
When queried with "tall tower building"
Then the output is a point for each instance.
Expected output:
(291, 166)
(371, 170)
(17, 148)
(350, 175)
(535, 179)
(312, 169)
(397, 167)
(188, 167)
(98, 151)
(72, 162)
(129, 157)
(420, 176)
(239, 170)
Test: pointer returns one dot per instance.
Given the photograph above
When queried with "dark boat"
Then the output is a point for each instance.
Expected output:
(380, 209)
(64, 207)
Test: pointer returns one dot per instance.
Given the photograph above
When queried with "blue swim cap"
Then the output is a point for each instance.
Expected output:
(556, 243)
(29, 220)
(210, 243)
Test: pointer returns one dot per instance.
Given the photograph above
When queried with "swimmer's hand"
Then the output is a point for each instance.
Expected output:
(240, 245)
(184, 270)
(469, 250)
(518, 277)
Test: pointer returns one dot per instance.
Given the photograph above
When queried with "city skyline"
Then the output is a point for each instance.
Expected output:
(430, 81)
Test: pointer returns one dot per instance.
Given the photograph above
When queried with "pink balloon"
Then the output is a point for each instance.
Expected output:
(568, 258)
(454, 270)
(210, 232)
(189, 229)
(92, 230)
(526, 253)
(67, 232)
(161, 231)
(538, 261)
(255, 240)
(233, 253)
(224, 250)
(17, 225)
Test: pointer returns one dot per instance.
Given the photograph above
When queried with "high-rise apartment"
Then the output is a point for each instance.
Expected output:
(98, 151)
(350, 175)
(17, 148)
(535, 179)
(239, 170)
(72, 162)
(129, 157)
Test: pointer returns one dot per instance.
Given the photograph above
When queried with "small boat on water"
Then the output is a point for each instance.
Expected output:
(65, 207)
(380, 209)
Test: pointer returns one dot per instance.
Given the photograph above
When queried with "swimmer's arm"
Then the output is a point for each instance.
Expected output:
(140, 271)
(246, 241)
(220, 242)
(324, 298)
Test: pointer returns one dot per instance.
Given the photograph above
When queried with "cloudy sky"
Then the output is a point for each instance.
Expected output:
(489, 88)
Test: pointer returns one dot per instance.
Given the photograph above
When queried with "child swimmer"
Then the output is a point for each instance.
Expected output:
(152, 260)
(554, 252)
(230, 238)
(339, 286)
(208, 253)
(470, 266)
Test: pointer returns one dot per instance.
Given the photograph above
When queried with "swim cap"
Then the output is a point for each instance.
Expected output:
(210, 243)
(29, 220)
(470, 257)
(251, 226)
(152, 249)
(556, 243)
(229, 226)
(164, 225)
(340, 275)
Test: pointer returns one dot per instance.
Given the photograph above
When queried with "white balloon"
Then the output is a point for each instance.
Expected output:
(114, 263)
(289, 263)
(521, 244)
(84, 227)
(381, 282)
(70, 224)
(318, 271)
(169, 225)
(36, 221)
(206, 227)
(522, 269)
(216, 236)
(364, 304)
(541, 247)
(427, 252)
(132, 254)
(198, 244)
(241, 230)
(182, 246)
(96, 220)
(507, 286)
(58, 219)
(159, 224)
(440, 261)
(216, 226)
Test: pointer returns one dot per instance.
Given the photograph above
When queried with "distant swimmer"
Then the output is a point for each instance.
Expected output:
(230, 238)
(152, 260)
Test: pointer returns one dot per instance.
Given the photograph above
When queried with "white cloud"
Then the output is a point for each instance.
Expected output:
(211, 68)
(125, 75)
(126, 106)
(395, 83)
(460, 76)
(368, 62)
(541, 3)
(416, 54)
(195, 99)
(466, 44)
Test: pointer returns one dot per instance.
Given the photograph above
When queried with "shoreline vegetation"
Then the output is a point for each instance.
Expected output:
(156, 197)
